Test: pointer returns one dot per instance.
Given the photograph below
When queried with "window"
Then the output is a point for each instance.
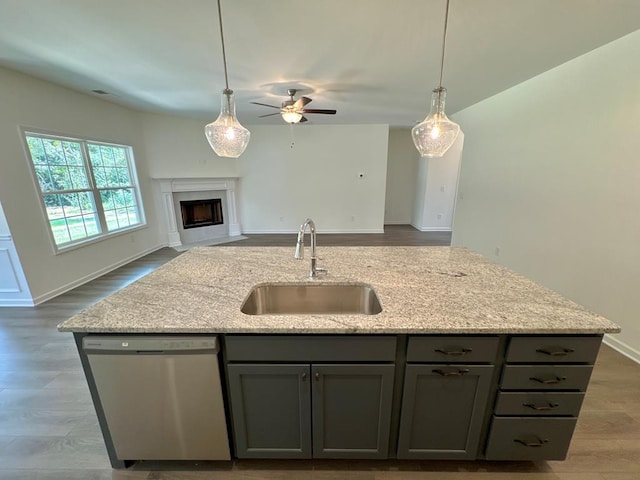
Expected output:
(88, 189)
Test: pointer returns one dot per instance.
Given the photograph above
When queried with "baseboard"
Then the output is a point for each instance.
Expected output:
(23, 302)
(92, 276)
(320, 232)
(267, 231)
(622, 348)
(431, 229)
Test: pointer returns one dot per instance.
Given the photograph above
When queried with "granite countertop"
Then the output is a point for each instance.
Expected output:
(422, 290)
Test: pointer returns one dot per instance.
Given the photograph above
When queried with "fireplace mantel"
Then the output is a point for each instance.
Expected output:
(169, 186)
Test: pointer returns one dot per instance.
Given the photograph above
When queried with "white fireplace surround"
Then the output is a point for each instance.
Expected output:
(169, 186)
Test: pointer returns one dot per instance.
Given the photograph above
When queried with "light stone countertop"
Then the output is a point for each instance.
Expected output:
(423, 290)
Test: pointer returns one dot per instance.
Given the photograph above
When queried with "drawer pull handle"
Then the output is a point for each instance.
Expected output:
(304, 377)
(451, 372)
(548, 379)
(547, 406)
(317, 375)
(531, 441)
(454, 351)
(555, 351)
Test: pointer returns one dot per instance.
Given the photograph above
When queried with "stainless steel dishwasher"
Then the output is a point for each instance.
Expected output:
(161, 396)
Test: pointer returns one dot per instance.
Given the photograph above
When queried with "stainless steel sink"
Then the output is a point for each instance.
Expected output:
(312, 298)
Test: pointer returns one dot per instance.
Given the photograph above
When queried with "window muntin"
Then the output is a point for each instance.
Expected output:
(110, 167)
(88, 189)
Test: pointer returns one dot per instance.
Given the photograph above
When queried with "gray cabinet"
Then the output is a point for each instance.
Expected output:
(452, 349)
(443, 410)
(271, 410)
(541, 391)
(521, 438)
(448, 379)
(301, 410)
(351, 410)
(498, 397)
(304, 397)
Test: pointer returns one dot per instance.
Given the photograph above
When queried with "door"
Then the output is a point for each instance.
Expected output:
(351, 410)
(271, 410)
(443, 410)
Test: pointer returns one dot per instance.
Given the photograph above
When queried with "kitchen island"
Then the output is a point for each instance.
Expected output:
(466, 360)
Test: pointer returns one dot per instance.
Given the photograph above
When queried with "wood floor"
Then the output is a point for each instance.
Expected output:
(396, 235)
(49, 431)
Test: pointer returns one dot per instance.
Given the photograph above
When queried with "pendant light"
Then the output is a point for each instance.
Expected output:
(436, 133)
(226, 136)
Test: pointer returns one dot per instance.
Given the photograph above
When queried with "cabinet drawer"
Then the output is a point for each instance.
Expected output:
(539, 403)
(530, 438)
(553, 349)
(310, 348)
(452, 349)
(546, 377)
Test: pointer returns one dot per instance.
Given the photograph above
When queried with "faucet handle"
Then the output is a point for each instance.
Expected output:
(300, 244)
(321, 271)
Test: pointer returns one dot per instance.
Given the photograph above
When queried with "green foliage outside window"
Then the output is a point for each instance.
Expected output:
(87, 188)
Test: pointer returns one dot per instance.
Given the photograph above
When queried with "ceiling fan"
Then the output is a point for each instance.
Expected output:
(293, 111)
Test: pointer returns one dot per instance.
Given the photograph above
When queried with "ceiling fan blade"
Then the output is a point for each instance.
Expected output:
(269, 115)
(327, 112)
(303, 119)
(301, 102)
(265, 105)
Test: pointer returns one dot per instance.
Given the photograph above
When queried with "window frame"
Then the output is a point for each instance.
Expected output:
(92, 188)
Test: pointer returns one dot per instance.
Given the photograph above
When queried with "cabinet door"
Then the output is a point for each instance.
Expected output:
(351, 410)
(271, 410)
(443, 409)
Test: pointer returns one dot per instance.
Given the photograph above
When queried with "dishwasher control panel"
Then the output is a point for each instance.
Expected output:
(148, 343)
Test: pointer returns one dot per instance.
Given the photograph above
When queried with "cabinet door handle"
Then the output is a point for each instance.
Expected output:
(545, 406)
(531, 441)
(548, 379)
(317, 377)
(454, 351)
(450, 372)
(304, 376)
(555, 351)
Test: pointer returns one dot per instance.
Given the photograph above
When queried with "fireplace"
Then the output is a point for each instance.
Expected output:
(181, 224)
(201, 213)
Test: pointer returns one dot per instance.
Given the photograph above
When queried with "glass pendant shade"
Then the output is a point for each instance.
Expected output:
(291, 116)
(436, 133)
(226, 136)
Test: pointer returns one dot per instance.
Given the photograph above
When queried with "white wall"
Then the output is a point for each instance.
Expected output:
(319, 178)
(33, 103)
(177, 148)
(402, 169)
(14, 289)
(551, 177)
(436, 186)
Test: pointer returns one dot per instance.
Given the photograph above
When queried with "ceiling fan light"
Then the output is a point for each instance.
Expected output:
(226, 135)
(291, 116)
(436, 133)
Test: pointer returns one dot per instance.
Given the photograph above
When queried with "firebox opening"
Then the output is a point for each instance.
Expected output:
(201, 213)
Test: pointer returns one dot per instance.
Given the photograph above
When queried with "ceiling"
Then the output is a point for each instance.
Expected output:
(375, 61)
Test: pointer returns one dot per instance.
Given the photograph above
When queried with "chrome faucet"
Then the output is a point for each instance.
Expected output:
(315, 270)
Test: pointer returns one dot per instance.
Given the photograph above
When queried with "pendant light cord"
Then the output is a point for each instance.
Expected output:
(444, 40)
(224, 54)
